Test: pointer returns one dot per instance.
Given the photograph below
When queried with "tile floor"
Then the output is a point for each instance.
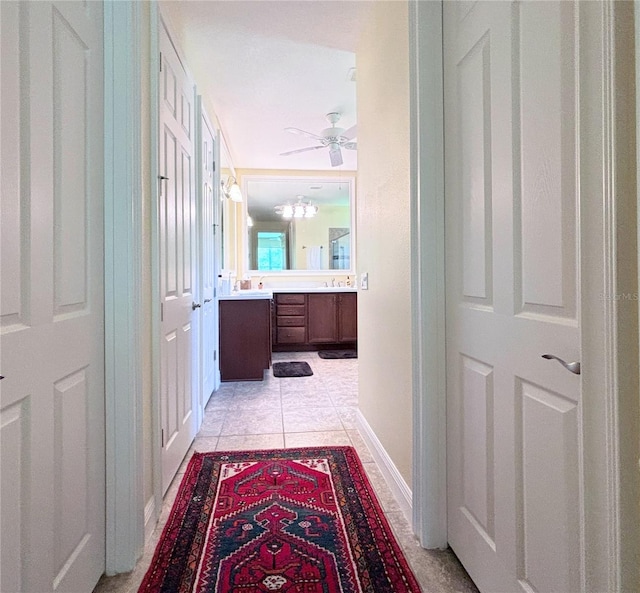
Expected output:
(300, 412)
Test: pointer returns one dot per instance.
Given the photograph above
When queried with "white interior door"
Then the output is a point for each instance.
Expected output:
(512, 161)
(178, 242)
(209, 341)
(51, 320)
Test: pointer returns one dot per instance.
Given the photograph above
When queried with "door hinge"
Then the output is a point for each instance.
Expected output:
(215, 355)
(214, 165)
(162, 436)
(161, 311)
(214, 292)
(160, 61)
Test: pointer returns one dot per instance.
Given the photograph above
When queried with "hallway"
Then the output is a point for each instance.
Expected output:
(300, 412)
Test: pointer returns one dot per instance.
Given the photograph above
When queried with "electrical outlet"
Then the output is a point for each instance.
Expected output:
(364, 281)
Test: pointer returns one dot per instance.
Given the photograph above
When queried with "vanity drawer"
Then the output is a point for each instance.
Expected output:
(290, 309)
(295, 321)
(290, 299)
(291, 335)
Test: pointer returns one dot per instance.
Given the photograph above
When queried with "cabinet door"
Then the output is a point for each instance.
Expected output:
(348, 317)
(322, 318)
(245, 345)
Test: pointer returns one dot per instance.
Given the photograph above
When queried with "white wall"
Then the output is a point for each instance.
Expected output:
(383, 240)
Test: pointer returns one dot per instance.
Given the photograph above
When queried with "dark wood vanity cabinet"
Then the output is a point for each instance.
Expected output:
(290, 319)
(308, 321)
(245, 339)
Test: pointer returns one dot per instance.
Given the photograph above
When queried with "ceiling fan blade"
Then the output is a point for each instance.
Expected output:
(303, 133)
(350, 133)
(336, 157)
(350, 145)
(301, 150)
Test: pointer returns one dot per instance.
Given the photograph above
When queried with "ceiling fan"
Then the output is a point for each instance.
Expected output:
(333, 138)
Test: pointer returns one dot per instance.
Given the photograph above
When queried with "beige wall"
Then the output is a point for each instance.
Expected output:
(383, 246)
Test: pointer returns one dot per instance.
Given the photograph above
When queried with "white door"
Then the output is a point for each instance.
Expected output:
(177, 262)
(512, 158)
(208, 275)
(52, 431)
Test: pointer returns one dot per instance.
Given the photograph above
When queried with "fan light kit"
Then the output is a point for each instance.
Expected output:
(333, 138)
(298, 210)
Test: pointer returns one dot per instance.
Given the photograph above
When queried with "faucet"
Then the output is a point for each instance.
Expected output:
(333, 282)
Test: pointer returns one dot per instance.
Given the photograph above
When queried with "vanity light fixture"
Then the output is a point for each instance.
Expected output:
(298, 210)
(231, 189)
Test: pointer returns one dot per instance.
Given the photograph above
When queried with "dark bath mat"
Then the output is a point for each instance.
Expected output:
(338, 354)
(292, 369)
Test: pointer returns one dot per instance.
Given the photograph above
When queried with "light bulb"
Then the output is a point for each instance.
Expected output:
(234, 193)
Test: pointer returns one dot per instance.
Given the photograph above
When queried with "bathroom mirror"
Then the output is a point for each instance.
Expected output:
(299, 224)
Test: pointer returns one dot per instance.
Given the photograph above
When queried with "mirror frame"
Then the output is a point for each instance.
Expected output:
(347, 179)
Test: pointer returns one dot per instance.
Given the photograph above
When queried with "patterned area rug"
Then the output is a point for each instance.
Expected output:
(292, 369)
(294, 520)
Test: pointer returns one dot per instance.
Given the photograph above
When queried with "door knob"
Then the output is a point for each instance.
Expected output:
(195, 306)
(573, 367)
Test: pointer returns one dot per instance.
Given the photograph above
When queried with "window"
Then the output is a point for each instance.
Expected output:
(272, 250)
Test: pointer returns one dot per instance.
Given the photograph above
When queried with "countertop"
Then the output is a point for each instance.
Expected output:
(267, 293)
(318, 289)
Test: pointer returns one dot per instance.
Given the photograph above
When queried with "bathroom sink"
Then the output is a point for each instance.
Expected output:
(252, 293)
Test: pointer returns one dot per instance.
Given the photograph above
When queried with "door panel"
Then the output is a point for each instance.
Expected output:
(51, 322)
(177, 243)
(348, 317)
(208, 264)
(510, 170)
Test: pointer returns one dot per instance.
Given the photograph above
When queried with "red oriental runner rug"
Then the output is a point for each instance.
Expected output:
(293, 520)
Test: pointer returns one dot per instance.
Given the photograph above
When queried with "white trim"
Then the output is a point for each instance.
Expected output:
(217, 216)
(123, 405)
(150, 518)
(395, 481)
(197, 353)
(154, 127)
(609, 338)
(427, 265)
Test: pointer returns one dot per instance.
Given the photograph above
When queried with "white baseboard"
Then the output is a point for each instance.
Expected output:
(395, 481)
(150, 518)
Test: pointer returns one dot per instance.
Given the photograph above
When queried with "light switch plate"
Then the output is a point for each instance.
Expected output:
(364, 281)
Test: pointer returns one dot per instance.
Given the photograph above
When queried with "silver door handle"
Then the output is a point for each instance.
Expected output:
(195, 306)
(573, 367)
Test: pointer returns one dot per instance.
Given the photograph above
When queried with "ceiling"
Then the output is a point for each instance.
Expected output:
(267, 65)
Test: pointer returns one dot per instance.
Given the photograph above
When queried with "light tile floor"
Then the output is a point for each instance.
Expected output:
(300, 412)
